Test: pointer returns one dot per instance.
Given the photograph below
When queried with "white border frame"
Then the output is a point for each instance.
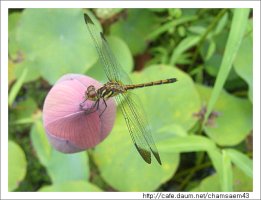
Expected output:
(120, 4)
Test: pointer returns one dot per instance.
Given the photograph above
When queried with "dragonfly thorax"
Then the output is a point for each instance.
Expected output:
(110, 89)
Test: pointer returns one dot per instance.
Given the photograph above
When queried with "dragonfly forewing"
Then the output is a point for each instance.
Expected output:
(116, 69)
(112, 68)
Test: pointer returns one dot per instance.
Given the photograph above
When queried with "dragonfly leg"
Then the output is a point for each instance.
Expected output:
(81, 104)
(105, 106)
(92, 109)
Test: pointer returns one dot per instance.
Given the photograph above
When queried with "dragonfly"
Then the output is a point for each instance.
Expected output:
(129, 104)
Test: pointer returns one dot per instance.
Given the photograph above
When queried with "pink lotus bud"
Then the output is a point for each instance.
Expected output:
(69, 127)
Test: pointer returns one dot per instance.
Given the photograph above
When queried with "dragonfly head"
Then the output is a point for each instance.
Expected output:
(91, 93)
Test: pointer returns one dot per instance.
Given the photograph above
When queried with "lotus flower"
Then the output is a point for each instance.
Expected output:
(69, 127)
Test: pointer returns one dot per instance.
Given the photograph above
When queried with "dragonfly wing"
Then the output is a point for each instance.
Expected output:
(138, 126)
(132, 110)
(115, 67)
(112, 68)
(95, 35)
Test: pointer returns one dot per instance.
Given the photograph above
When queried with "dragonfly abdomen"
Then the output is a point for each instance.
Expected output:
(160, 82)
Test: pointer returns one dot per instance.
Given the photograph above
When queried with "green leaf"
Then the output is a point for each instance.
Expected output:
(40, 143)
(13, 20)
(211, 49)
(122, 54)
(16, 165)
(119, 151)
(184, 45)
(191, 143)
(170, 103)
(71, 186)
(54, 42)
(61, 167)
(233, 121)
(17, 86)
(208, 184)
(241, 161)
(128, 167)
(170, 26)
(243, 63)
(216, 158)
(226, 185)
(135, 29)
(234, 40)
(221, 25)
(170, 111)
(68, 167)
(222, 165)
(241, 183)
(212, 65)
(25, 110)
(213, 59)
(194, 144)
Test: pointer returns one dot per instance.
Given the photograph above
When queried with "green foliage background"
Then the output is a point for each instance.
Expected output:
(202, 125)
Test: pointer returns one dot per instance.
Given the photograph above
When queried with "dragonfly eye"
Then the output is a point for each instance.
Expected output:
(90, 88)
(91, 93)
